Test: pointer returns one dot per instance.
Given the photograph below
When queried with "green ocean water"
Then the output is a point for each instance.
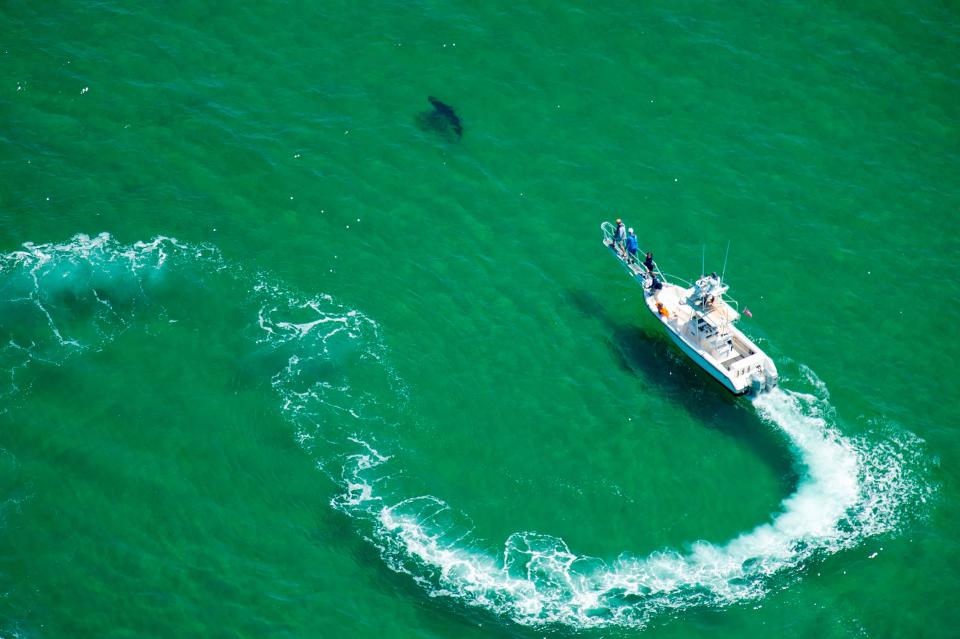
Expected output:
(280, 362)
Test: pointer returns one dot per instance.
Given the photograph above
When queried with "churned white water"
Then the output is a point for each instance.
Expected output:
(848, 490)
(328, 367)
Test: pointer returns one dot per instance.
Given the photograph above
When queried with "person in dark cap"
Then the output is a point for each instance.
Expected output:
(655, 283)
(649, 263)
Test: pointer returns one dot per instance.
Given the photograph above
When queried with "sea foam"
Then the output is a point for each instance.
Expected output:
(329, 369)
(848, 490)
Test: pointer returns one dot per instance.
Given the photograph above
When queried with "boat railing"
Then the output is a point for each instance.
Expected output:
(669, 278)
(608, 229)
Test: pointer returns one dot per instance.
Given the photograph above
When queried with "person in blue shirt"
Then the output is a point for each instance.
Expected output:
(632, 246)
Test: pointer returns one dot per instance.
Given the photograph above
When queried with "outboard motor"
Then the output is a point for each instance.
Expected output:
(765, 379)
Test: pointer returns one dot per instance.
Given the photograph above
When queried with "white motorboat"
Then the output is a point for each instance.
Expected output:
(700, 319)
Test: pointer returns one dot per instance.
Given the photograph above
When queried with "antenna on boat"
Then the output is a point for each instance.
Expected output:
(724, 271)
(703, 260)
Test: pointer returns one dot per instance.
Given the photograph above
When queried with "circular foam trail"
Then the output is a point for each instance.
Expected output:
(849, 490)
(329, 370)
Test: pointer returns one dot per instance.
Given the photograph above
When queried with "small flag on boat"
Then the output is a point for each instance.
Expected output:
(746, 311)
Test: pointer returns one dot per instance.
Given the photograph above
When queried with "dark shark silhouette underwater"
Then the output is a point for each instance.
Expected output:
(442, 120)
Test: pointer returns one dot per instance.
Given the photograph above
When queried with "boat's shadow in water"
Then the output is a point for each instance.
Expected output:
(650, 355)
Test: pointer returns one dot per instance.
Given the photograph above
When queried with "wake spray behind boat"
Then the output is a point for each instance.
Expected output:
(701, 320)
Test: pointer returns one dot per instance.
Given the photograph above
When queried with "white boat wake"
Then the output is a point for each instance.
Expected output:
(849, 490)
(327, 366)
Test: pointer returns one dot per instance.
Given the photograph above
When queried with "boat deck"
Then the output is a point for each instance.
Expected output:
(673, 297)
(742, 351)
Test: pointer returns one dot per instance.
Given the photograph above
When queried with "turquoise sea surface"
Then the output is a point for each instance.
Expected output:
(283, 355)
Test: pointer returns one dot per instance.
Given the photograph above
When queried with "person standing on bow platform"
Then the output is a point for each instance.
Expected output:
(650, 264)
(619, 235)
(633, 245)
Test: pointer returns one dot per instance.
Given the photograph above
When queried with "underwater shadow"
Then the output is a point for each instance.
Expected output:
(441, 120)
(651, 356)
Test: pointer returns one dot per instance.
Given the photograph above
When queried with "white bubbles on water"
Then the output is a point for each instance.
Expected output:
(849, 490)
(328, 368)
(57, 300)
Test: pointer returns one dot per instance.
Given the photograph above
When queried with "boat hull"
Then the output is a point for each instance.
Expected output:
(700, 361)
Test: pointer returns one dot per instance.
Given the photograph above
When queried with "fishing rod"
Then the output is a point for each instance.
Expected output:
(724, 271)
